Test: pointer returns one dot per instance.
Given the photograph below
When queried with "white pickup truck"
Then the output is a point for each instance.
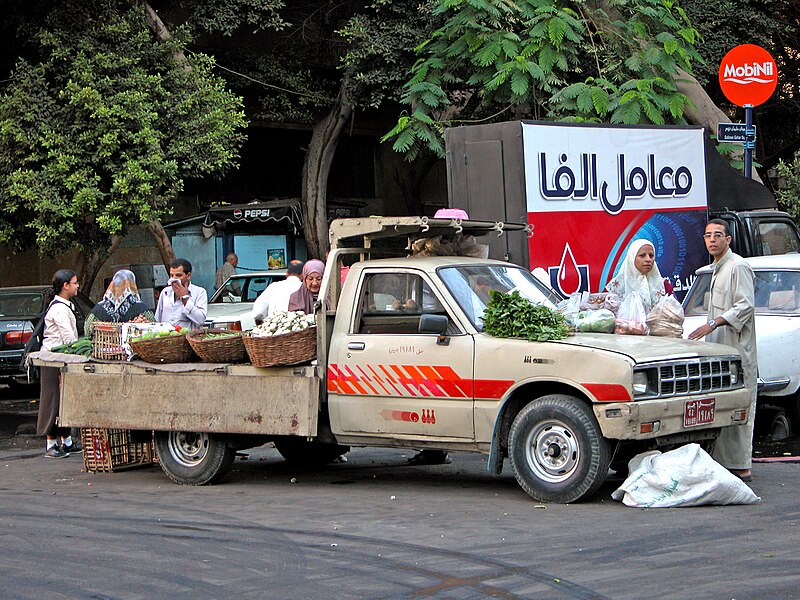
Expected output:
(402, 362)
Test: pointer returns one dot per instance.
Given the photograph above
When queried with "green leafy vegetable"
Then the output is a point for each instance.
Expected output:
(513, 316)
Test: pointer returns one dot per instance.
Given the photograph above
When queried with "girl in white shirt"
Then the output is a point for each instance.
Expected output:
(60, 327)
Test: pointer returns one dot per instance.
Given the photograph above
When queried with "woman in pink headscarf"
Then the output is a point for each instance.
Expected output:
(304, 298)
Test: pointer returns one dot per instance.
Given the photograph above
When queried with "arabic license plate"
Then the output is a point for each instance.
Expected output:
(698, 412)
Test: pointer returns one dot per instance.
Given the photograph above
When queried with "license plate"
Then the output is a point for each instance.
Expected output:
(699, 412)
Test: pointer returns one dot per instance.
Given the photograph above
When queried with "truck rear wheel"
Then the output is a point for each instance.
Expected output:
(302, 453)
(557, 449)
(192, 458)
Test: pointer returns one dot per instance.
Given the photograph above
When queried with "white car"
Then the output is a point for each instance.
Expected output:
(777, 299)
(231, 306)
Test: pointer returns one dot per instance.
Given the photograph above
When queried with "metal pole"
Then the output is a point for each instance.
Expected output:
(749, 140)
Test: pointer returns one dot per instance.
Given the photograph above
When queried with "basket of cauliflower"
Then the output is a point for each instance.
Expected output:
(285, 338)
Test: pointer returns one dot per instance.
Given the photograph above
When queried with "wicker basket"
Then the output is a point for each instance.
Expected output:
(282, 350)
(108, 450)
(107, 341)
(160, 350)
(229, 349)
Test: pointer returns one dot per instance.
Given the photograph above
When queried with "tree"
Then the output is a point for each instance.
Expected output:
(624, 61)
(99, 133)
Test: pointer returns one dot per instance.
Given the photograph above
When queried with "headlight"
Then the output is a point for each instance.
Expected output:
(735, 373)
(640, 382)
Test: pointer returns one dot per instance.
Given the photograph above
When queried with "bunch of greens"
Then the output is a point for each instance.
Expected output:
(513, 316)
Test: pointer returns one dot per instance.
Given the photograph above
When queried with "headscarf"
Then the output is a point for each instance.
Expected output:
(629, 279)
(121, 302)
(303, 299)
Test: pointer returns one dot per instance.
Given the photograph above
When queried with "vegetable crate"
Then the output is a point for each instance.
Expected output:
(109, 450)
(107, 341)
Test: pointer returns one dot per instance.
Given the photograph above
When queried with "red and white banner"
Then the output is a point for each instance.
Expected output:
(591, 190)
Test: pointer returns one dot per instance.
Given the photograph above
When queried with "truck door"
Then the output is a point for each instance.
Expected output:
(384, 377)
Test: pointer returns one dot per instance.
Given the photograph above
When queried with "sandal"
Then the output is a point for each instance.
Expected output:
(740, 473)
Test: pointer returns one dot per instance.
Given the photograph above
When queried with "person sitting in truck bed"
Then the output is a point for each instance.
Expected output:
(305, 297)
(120, 304)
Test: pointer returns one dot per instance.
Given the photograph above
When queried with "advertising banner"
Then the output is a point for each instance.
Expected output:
(592, 190)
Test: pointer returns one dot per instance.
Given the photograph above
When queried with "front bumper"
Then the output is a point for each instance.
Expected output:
(625, 420)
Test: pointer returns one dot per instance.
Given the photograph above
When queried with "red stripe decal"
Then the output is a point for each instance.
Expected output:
(491, 388)
(608, 392)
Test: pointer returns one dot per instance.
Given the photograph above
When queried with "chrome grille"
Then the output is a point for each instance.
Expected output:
(691, 376)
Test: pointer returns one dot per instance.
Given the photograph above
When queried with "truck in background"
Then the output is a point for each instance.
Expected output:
(589, 190)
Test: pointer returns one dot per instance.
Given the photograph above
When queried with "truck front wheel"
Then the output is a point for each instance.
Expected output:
(192, 458)
(557, 449)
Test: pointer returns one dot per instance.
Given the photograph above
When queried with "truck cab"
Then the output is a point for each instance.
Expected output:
(760, 232)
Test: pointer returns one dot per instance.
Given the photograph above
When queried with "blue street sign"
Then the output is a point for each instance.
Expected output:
(733, 132)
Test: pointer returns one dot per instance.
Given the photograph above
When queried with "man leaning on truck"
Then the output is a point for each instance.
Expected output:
(182, 303)
(731, 321)
(275, 297)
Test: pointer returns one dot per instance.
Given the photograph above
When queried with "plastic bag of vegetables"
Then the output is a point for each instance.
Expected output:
(595, 321)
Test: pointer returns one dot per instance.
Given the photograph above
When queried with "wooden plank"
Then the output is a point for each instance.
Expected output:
(274, 402)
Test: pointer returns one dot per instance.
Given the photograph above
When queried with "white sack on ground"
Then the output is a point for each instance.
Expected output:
(686, 476)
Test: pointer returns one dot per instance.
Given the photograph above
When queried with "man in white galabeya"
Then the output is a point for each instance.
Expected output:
(275, 297)
(731, 321)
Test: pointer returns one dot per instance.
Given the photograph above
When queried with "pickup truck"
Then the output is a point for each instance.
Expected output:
(402, 362)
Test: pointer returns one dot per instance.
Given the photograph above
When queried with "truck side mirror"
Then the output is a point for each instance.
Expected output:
(435, 324)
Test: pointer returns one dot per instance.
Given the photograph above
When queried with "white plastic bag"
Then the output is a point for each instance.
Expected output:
(686, 476)
(631, 316)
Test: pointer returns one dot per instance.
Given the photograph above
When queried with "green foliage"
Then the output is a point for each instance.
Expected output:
(559, 59)
(788, 192)
(100, 134)
(513, 316)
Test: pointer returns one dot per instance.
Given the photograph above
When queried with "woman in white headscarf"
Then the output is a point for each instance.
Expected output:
(121, 303)
(639, 274)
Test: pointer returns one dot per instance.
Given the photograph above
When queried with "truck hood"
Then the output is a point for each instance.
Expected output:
(645, 348)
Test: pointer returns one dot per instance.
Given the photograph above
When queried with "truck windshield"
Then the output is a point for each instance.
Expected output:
(776, 292)
(470, 287)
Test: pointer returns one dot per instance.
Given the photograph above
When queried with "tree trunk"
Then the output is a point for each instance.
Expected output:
(156, 229)
(87, 266)
(316, 168)
(160, 30)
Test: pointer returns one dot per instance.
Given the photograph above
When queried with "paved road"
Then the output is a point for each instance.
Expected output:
(377, 528)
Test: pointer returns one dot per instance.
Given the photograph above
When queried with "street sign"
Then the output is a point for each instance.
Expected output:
(748, 75)
(733, 132)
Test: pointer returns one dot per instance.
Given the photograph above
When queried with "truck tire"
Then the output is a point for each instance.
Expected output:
(191, 458)
(302, 453)
(557, 449)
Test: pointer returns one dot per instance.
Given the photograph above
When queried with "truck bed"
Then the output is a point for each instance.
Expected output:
(200, 397)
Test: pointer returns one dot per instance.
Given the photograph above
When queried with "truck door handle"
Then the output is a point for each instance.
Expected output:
(356, 345)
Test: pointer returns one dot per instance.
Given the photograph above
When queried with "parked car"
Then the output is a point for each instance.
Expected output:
(777, 300)
(20, 309)
(231, 305)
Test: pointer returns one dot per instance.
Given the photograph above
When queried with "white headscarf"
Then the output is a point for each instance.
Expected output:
(629, 279)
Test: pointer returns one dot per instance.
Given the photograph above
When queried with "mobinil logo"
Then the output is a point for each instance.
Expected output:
(750, 73)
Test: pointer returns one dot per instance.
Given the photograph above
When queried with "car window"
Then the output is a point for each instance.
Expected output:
(393, 303)
(471, 287)
(777, 237)
(253, 287)
(20, 304)
(777, 292)
(696, 301)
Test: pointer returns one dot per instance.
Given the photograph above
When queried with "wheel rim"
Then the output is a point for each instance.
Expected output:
(781, 428)
(188, 448)
(552, 451)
